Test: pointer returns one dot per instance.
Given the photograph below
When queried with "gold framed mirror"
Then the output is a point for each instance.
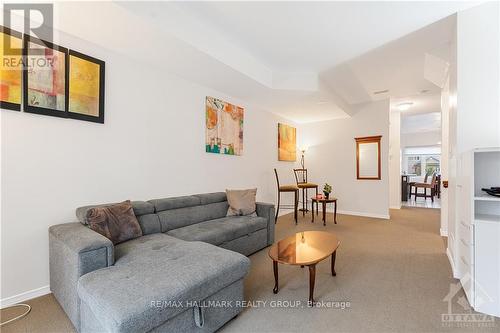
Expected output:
(368, 158)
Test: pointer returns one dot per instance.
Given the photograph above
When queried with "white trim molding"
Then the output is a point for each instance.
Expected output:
(377, 216)
(343, 212)
(452, 264)
(329, 209)
(443, 232)
(4, 302)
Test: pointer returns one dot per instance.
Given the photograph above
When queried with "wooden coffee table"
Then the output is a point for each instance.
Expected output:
(323, 202)
(304, 249)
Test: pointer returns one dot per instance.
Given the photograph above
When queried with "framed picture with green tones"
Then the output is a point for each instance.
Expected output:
(223, 127)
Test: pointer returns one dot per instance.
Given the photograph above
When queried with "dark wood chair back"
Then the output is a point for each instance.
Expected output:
(300, 176)
(433, 179)
(426, 178)
(277, 179)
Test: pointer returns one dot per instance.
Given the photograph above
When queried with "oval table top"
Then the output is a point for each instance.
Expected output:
(304, 248)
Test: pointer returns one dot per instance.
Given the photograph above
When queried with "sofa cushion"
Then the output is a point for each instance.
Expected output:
(123, 297)
(116, 222)
(221, 230)
(181, 217)
(207, 198)
(176, 202)
(150, 223)
(146, 246)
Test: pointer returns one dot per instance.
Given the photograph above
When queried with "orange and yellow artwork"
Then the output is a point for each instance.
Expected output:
(84, 87)
(224, 127)
(10, 71)
(287, 143)
(46, 78)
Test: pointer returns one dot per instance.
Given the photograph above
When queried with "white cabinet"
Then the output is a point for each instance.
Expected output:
(477, 229)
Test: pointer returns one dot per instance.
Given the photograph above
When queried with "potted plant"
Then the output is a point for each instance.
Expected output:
(327, 189)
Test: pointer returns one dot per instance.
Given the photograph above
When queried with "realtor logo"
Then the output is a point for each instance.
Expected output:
(467, 317)
(42, 30)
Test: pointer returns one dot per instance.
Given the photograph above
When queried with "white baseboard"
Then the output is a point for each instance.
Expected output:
(284, 211)
(395, 207)
(443, 232)
(377, 216)
(4, 302)
(452, 264)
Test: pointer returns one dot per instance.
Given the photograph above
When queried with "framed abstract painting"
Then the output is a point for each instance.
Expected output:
(86, 88)
(287, 143)
(223, 127)
(45, 78)
(11, 44)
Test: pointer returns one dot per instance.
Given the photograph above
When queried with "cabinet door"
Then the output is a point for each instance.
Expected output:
(463, 236)
(487, 267)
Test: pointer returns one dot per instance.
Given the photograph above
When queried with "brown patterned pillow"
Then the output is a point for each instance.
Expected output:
(116, 222)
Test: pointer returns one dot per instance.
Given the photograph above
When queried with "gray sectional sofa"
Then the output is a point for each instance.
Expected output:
(185, 274)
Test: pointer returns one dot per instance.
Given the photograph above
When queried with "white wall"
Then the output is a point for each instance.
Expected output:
(151, 146)
(421, 139)
(445, 147)
(395, 159)
(474, 119)
(331, 157)
(478, 63)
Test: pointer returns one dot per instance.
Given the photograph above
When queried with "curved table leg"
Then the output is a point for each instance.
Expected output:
(324, 212)
(312, 210)
(335, 212)
(312, 279)
(334, 254)
(275, 269)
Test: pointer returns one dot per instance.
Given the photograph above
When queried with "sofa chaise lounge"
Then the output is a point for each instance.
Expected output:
(190, 255)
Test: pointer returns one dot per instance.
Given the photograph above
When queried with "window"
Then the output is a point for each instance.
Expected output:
(414, 165)
(432, 165)
(419, 161)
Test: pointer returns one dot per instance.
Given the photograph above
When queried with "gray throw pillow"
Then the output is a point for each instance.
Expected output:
(241, 202)
(116, 222)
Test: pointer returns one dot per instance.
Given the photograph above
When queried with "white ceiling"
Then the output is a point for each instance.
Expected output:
(307, 61)
(423, 122)
(424, 115)
(315, 36)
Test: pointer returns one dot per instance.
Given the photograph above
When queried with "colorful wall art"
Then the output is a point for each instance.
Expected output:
(224, 127)
(287, 143)
(86, 87)
(10, 69)
(45, 78)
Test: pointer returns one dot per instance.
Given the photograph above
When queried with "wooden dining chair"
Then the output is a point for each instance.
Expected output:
(425, 186)
(303, 183)
(411, 184)
(286, 188)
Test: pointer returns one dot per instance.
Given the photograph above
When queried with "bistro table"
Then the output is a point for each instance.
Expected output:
(323, 202)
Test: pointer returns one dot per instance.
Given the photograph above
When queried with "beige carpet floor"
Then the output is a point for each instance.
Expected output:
(394, 274)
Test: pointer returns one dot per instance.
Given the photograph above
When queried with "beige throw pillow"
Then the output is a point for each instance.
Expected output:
(241, 202)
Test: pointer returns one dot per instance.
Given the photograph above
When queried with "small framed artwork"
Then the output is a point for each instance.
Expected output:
(86, 88)
(287, 143)
(45, 78)
(11, 45)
